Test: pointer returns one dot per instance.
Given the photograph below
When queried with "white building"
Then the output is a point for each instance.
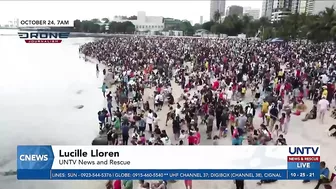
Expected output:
(277, 16)
(145, 24)
(267, 8)
(217, 5)
(278, 9)
(254, 13)
(172, 33)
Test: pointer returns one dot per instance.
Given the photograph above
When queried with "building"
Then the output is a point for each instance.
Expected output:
(235, 10)
(217, 5)
(313, 6)
(295, 6)
(276, 10)
(267, 8)
(254, 13)
(145, 24)
(172, 33)
(307, 6)
(201, 20)
(263, 8)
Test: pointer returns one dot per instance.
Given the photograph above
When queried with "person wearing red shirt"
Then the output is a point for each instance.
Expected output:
(117, 184)
(191, 139)
(131, 74)
(197, 137)
(158, 90)
(188, 184)
(277, 88)
(215, 85)
(221, 95)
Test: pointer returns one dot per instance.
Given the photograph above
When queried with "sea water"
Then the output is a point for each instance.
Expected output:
(39, 86)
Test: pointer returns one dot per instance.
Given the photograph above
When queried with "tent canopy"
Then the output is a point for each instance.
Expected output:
(277, 40)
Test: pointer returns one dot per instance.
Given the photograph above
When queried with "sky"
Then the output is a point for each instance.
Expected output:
(189, 10)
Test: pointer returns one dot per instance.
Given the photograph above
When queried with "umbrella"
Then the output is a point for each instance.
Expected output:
(276, 40)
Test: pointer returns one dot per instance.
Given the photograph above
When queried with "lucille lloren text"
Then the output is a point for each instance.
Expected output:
(93, 153)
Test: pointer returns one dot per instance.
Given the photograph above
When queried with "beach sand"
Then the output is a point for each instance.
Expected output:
(311, 132)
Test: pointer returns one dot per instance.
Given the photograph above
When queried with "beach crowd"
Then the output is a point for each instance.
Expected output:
(243, 90)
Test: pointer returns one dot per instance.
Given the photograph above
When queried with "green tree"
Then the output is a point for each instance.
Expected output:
(96, 21)
(197, 26)
(216, 16)
(207, 25)
(133, 17)
(316, 28)
(187, 28)
(77, 25)
(105, 20)
(247, 22)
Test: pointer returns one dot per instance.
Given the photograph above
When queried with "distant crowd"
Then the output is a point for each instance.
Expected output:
(227, 85)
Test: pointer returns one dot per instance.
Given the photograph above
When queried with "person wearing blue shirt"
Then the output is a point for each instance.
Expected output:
(237, 140)
(104, 87)
(324, 175)
(109, 107)
(125, 133)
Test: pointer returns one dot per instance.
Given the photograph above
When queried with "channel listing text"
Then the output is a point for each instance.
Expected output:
(157, 175)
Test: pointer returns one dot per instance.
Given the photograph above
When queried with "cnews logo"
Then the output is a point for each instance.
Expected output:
(33, 157)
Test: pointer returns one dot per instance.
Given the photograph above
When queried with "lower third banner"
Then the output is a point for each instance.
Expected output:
(28, 174)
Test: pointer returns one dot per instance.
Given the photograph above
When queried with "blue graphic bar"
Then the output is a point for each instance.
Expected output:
(168, 174)
(303, 165)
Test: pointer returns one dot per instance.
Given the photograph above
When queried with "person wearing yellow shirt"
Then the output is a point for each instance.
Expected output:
(280, 75)
(264, 109)
(243, 91)
(325, 93)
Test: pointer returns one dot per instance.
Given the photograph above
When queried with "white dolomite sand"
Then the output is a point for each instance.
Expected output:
(311, 132)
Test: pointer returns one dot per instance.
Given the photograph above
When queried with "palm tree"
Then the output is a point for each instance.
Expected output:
(263, 23)
(95, 21)
(325, 24)
(246, 23)
(216, 16)
(105, 20)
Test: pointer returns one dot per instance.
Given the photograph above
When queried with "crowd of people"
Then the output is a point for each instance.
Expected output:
(246, 90)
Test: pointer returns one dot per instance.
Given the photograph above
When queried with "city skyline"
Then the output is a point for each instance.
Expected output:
(188, 10)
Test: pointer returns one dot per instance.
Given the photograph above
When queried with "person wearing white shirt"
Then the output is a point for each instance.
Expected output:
(152, 138)
(245, 77)
(178, 110)
(166, 140)
(229, 94)
(149, 120)
(323, 105)
(157, 100)
(156, 120)
(183, 136)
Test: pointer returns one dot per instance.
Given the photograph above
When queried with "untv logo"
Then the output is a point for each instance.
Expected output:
(33, 157)
(303, 150)
(43, 37)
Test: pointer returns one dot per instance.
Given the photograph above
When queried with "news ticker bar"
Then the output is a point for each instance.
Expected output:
(168, 174)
